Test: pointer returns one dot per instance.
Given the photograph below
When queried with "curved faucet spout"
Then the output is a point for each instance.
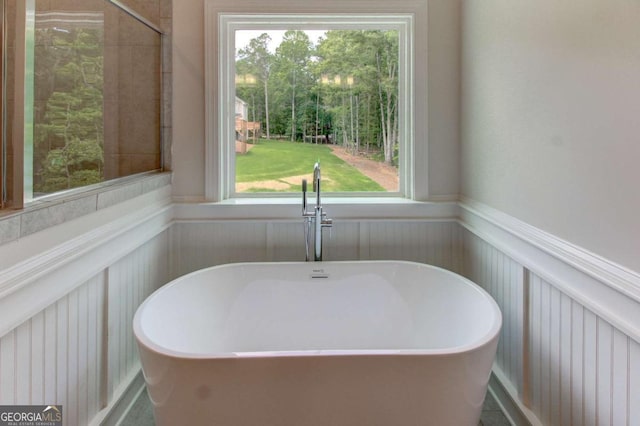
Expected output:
(316, 181)
(316, 175)
(318, 216)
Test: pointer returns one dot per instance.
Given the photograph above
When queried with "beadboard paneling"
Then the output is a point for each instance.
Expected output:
(503, 278)
(567, 358)
(81, 348)
(341, 242)
(283, 241)
(580, 366)
(130, 281)
(200, 244)
(568, 364)
(55, 357)
(435, 243)
(633, 386)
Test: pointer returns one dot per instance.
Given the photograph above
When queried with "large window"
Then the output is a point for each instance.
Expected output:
(81, 99)
(287, 90)
(316, 95)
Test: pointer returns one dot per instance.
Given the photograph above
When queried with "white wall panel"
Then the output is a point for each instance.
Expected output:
(7, 369)
(285, 241)
(565, 66)
(580, 364)
(604, 377)
(37, 359)
(23, 362)
(620, 379)
(435, 243)
(130, 281)
(577, 363)
(590, 382)
(567, 363)
(633, 387)
(570, 365)
(54, 357)
(201, 244)
(58, 355)
(341, 242)
(503, 279)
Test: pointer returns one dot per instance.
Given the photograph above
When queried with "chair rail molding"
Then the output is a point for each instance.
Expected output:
(45, 266)
(608, 289)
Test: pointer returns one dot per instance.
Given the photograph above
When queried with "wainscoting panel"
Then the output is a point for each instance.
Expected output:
(342, 242)
(130, 281)
(200, 244)
(285, 241)
(562, 362)
(503, 278)
(633, 387)
(80, 351)
(435, 243)
(56, 356)
(568, 351)
(580, 365)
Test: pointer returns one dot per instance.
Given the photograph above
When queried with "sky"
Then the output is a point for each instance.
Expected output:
(244, 36)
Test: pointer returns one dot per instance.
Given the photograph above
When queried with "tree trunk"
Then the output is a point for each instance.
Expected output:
(266, 106)
(293, 108)
(387, 111)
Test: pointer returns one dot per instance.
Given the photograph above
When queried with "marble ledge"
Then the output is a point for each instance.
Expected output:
(44, 214)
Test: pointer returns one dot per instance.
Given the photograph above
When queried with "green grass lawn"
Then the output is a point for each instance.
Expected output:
(278, 160)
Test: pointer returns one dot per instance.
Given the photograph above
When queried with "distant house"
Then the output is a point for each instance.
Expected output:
(244, 127)
(242, 109)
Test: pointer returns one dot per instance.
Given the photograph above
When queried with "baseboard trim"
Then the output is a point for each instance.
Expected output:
(124, 398)
(510, 404)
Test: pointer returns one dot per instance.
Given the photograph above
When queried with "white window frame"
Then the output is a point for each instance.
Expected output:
(223, 17)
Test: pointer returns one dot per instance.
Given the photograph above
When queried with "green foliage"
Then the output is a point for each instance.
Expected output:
(282, 160)
(256, 60)
(345, 87)
(68, 134)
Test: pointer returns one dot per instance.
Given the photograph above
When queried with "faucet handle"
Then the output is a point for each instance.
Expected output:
(304, 196)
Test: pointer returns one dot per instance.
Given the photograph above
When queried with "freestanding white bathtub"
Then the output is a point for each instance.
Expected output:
(326, 344)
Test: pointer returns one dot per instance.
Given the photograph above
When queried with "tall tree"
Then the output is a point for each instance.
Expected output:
(346, 65)
(346, 86)
(260, 60)
(294, 54)
(387, 71)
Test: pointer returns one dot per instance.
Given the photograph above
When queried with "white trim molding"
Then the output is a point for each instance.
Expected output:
(383, 209)
(45, 266)
(409, 17)
(571, 318)
(608, 289)
(568, 351)
(68, 294)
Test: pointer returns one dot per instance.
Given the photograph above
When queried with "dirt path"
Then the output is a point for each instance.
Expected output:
(386, 176)
(277, 184)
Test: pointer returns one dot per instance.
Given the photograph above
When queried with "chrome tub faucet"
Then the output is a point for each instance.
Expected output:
(316, 219)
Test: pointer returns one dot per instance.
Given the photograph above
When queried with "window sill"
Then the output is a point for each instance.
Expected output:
(337, 208)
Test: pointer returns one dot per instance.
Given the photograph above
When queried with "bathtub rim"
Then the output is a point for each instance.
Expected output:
(491, 335)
